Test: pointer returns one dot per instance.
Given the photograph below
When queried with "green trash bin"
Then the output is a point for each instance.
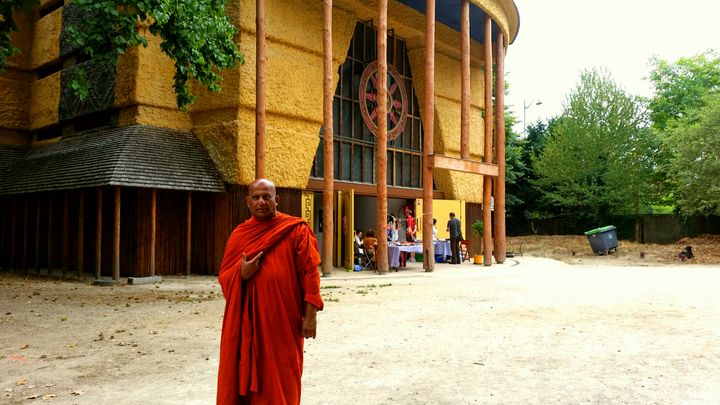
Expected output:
(603, 239)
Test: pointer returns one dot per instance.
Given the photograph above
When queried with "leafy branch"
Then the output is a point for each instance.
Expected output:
(196, 34)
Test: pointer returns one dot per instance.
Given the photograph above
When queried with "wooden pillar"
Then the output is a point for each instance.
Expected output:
(13, 232)
(328, 136)
(153, 229)
(50, 233)
(260, 89)
(500, 150)
(37, 234)
(428, 140)
(81, 234)
(25, 233)
(98, 234)
(381, 179)
(66, 232)
(465, 80)
(487, 246)
(3, 225)
(188, 235)
(116, 236)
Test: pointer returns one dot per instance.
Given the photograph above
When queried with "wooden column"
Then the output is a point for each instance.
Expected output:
(66, 232)
(381, 179)
(116, 236)
(465, 80)
(25, 233)
(188, 235)
(259, 89)
(487, 245)
(98, 235)
(37, 234)
(500, 150)
(50, 233)
(428, 140)
(328, 136)
(81, 234)
(153, 229)
(13, 232)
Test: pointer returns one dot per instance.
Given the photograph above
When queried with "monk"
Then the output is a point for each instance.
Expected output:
(271, 283)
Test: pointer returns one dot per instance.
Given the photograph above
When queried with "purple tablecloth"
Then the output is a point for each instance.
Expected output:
(394, 256)
(442, 248)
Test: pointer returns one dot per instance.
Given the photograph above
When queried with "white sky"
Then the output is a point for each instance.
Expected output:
(560, 38)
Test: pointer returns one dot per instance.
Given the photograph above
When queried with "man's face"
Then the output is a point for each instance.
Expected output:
(262, 200)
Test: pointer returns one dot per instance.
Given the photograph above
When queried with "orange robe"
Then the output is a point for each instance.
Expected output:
(261, 346)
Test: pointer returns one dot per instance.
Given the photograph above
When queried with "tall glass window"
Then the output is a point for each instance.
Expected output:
(355, 145)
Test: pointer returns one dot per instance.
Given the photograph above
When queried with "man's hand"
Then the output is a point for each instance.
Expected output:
(249, 268)
(310, 321)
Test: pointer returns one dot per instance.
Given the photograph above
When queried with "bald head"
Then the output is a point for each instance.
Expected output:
(269, 184)
(262, 199)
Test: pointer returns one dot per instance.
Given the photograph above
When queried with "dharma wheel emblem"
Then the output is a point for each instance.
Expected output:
(397, 104)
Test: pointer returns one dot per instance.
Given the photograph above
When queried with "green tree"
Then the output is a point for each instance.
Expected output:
(526, 207)
(681, 86)
(196, 34)
(598, 157)
(694, 166)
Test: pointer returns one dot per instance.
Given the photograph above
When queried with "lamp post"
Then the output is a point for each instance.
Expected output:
(525, 108)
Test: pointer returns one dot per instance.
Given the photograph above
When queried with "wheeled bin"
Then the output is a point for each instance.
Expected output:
(603, 239)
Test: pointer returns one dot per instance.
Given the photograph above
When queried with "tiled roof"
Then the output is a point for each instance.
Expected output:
(136, 156)
(9, 156)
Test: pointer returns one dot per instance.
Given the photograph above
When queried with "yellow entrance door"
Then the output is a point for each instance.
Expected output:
(348, 214)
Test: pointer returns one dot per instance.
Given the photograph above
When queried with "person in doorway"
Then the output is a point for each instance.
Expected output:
(453, 226)
(358, 237)
(389, 227)
(395, 231)
(271, 284)
(410, 231)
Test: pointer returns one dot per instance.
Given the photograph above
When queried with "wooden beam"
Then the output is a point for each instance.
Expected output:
(98, 234)
(81, 234)
(328, 157)
(500, 150)
(465, 80)
(116, 236)
(188, 236)
(153, 229)
(460, 165)
(381, 177)
(488, 147)
(260, 89)
(428, 144)
(370, 190)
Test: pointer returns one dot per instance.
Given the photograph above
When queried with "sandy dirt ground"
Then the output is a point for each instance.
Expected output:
(531, 331)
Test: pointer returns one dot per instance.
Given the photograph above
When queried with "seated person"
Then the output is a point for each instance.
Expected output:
(370, 243)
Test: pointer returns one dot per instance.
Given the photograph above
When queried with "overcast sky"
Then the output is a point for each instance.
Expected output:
(560, 38)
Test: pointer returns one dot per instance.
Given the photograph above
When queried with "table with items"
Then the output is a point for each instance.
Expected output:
(395, 259)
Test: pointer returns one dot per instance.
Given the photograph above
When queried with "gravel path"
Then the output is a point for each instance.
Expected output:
(531, 331)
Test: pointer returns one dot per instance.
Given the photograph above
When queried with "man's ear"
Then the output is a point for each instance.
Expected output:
(247, 201)
(277, 199)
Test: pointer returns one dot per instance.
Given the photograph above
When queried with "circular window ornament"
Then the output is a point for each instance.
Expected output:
(397, 104)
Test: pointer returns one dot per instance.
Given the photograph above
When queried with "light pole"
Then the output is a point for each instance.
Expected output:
(525, 108)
